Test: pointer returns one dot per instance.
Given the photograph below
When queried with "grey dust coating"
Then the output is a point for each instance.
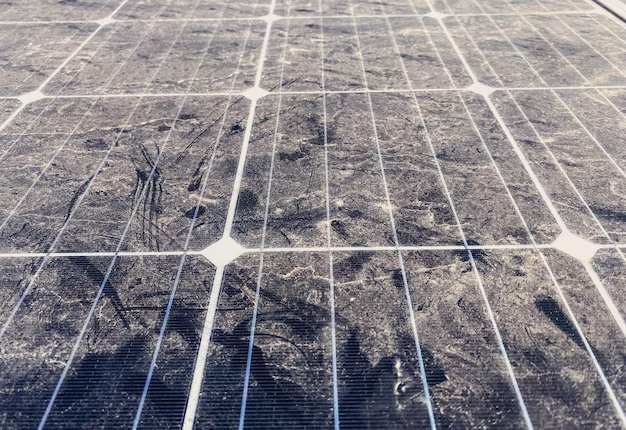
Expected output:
(312, 214)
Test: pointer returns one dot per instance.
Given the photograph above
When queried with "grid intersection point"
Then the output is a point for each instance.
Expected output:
(575, 246)
(436, 15)
(255, 93)
(223, 251)
(480, 88)
(33, 96)
(105, 21)
(271, 18)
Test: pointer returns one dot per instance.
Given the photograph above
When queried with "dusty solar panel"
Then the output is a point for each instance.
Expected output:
(280, 214)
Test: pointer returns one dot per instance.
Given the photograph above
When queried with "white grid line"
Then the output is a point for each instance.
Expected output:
(30, 255)
(246, 384)
(198, 375)
(313, 92)
(304, 17)
(571, 314)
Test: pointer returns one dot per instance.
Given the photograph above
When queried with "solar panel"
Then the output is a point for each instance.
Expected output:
(312, 214)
